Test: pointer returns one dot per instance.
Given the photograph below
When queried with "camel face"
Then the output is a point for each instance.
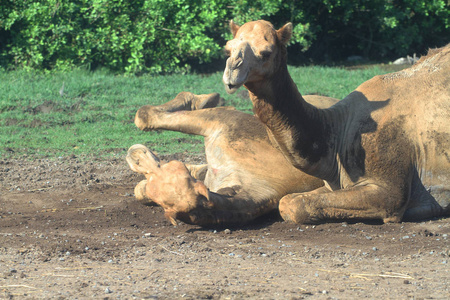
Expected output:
(253, 52)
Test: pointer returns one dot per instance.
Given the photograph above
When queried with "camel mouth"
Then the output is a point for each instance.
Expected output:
(232, 88)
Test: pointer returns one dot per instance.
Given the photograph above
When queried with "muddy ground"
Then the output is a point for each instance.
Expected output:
(71, 229)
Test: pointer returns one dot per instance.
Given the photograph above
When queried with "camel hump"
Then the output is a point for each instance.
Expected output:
(320, 101)
(435, 64)
(437, 54)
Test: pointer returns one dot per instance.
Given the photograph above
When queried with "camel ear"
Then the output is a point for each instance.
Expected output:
(285, 33)
(234, 28)
(201, 189)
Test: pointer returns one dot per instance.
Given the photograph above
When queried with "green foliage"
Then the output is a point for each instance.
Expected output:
(159, 36)
(133, 36)
(380, 28)
(335, 29)
(91, 113)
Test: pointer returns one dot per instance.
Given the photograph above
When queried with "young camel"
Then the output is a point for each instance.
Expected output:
(383, 151)
(244, 178)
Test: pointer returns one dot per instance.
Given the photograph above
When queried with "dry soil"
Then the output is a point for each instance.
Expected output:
(72, 229)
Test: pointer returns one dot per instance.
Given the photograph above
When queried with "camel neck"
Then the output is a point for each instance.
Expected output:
(294, 124)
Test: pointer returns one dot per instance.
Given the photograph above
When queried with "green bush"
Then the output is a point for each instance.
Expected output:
(158, 36)
(132, 36)
(377, 28)
(335, 29)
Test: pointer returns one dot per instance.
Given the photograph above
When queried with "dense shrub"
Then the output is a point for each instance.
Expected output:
(170, 36)
(131, 36)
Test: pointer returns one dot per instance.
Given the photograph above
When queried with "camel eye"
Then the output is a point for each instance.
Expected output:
(265, 55)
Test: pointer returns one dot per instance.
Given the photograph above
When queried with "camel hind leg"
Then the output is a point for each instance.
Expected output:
(143, 161)
(190, 101)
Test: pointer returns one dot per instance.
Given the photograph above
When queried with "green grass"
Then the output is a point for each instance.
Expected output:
(94, 117)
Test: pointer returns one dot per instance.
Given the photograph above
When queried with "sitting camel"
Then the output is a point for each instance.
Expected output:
(383, 151)
(245, 175)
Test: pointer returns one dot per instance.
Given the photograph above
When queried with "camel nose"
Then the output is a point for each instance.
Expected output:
(231, 66)
(227, 72)
(237, 63)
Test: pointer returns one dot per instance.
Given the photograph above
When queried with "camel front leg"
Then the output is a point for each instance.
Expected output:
(199, 122)
(151, 117)
(359, 202)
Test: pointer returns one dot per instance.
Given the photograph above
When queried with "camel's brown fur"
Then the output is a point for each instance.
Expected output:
(245, 176)
(383, 151)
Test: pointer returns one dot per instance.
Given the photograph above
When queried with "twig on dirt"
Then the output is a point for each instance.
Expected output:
(364, 276)
(360, 276)
(357, 288)
(88, 268)
(89, 208)
(397, 275)
(392, 275)
(304, 291)
(58, 275)
(173, 252)
(40, 189)
(18, 286)
(299, 259)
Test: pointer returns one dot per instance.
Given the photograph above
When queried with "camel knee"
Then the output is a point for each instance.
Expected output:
(145, 117)
(293, 209)
(207, 101)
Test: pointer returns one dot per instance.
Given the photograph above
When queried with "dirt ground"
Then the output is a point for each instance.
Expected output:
(71, 229)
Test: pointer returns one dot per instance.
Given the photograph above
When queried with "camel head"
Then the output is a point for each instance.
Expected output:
(255, 53)
(173, 188)
(169, 185)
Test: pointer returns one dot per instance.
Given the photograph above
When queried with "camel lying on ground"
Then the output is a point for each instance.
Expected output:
(245, 175)
(383, 151)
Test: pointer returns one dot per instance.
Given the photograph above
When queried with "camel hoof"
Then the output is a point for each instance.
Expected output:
(142, 160)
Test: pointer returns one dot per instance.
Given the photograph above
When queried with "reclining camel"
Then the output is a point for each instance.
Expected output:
(383, 151)
(245, 176)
